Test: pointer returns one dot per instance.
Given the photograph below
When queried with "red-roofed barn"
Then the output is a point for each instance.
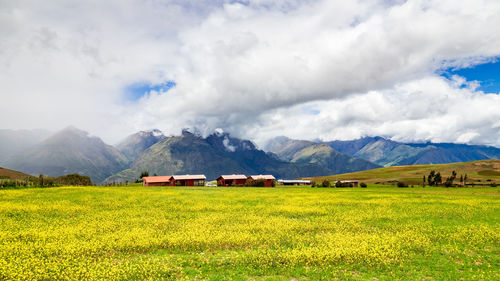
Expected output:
(188, 180)
(269, 179)
(156, 181)
(231, 180)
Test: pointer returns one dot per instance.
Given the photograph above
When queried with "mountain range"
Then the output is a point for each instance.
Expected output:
(214, 155)
(74, 151)
(385, 152)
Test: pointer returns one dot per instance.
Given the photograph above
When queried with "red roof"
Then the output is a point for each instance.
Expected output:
(157, 179)
(189, 177)
(233, 177)
(262, 177)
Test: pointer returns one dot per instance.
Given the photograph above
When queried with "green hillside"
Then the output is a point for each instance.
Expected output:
(13, 175)
(478, 172)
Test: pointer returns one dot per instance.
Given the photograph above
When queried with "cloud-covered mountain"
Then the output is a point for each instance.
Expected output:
(69, 151)
(14, 141)
(214, 155)
(75, 151)
(134, 145)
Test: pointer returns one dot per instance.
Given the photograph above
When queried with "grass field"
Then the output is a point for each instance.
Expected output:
(138, 233)
(478, 172)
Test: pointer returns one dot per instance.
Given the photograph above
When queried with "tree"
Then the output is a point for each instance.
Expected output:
(326, 183)
(423, 181)
(438, 179)
(40, 180)
(450, 179)
(144, 174)
(430, 178)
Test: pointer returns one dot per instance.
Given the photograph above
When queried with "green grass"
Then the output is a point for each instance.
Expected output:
(483, 171)
(298, 233)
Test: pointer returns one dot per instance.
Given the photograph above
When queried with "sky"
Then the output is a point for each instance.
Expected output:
(414, 71)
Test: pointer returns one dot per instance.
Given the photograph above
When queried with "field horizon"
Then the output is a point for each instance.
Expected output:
(478, 172)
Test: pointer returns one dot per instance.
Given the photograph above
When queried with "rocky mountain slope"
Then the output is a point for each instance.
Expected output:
(215, 155)
(134, 145)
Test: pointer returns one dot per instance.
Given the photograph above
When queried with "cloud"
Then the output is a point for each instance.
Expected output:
(432, 108)
(250, 67)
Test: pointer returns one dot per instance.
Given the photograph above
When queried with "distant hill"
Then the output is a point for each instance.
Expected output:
(70, 151)
(215, 155)
(134, 145)
(13, 175)
(482, 171)
(301, 151)
(14, 141)
(286, 148)
(390, 153)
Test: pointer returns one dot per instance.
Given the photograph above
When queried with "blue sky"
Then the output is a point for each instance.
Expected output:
(136, 91)
(487, 74)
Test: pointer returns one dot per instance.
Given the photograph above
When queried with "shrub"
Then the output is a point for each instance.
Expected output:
(363, 185)
(402, 184)
(325, 183)
(258, 183)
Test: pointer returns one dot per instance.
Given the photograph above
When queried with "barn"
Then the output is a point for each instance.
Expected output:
(156, 181)
(231, 180)
(268, 178)
(351, 183)
(188, 180)
(294, 182)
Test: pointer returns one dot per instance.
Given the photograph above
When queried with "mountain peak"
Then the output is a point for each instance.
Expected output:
(132, 146)
(74, 130)
(70, 150)
(153, 132)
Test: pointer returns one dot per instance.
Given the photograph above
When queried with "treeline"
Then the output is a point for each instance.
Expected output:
(435, 179)
(45, 181)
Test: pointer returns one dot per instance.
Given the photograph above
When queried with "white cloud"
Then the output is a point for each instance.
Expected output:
(428, 109)
(251, 66)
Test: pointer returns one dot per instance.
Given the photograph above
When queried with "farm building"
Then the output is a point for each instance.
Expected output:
(294, 182)
(231, 180)
(156, 181)
(351, 183)
(268, 178)
(188, 180)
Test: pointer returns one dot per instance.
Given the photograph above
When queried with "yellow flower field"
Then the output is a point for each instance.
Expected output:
(152, 233)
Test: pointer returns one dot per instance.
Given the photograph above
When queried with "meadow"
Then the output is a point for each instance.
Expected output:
(296, 233)
(482, 172)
